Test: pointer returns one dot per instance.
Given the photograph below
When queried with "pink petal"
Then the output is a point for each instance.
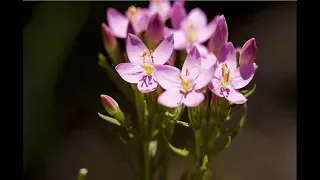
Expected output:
(234, 96)
(135, 48)
(130, 72)
(192, 63)
(206, 32)
(193, 99)
(228, 55)
(220, 35)
(117, 22)
(164, 50)
(143, 18)
(204, 78)
(167, 76)
(171, 98)
(242, 75)
(248, 52)
(177, 14)
(131, 29)
(208, 60)
(215, 86)
(201, 48)
(198, 17)
(147, 84)
(180, 40)
(162, 7)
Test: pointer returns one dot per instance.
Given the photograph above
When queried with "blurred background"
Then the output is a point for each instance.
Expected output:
(63, 83)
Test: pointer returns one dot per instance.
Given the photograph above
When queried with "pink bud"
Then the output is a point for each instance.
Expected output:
(220, 35)
(177, 14)
(248, 52)
(155, 29)
(109, 41)
(112, 107)
(130, 28)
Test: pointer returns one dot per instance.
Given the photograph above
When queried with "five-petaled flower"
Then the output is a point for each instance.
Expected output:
(228, 77)
(193, 30)
(141, 68)
(183, 87)
(118, 23)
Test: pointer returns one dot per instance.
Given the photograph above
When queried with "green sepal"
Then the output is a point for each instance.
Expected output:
(110, 119)
(182, 152)
(224, 145)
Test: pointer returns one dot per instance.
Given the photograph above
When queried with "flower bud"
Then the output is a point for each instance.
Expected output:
(248, 52)
(112, 107)
(111, 45)
(155, 29)
(177, 14)
(109, 41)
(219, 37)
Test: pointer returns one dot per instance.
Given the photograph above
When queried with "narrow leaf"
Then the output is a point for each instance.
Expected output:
(110, 119)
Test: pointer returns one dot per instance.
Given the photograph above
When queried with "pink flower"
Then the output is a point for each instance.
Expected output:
(183, 87)
(141, 68)
(160, 6)
(118, 23)
(220, 35)
(194, 30)
(227, 77)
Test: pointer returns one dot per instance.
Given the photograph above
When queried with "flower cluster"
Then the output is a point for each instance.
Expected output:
(190, 63)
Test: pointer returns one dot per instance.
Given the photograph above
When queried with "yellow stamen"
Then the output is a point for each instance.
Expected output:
(225, 75)
(132, 11)
(148, 69)
(186, 85)
(147, 53)
(191, 33)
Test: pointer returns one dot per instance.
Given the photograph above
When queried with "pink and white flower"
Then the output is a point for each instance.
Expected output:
(228, 77)
(183, 87)
(160, 6)
(118, 23)
(141, 68)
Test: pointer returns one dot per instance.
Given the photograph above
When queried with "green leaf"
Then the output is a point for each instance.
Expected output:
(182, 123)
(110, 119)
(182, 152)
(247, 93)
(205, 161)
(224, 145)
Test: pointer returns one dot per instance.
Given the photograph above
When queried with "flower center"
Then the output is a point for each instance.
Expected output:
(132, 10)
(225, 83)
(147, 60)
(191, 33)
(186, 85)
(148, 69)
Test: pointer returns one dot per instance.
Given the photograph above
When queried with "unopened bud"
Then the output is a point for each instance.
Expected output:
(109, 41)
(155, 29)
(111, 44)
(219, 37)
(82, 175)
(112, 107)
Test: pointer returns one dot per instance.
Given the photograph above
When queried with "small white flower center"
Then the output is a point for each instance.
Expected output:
(225, 80)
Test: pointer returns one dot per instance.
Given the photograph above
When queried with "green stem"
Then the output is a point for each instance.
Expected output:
(197, 135)
(147, 164)
(163, 175)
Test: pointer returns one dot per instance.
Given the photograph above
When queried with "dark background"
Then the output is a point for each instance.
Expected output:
(63, 82)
